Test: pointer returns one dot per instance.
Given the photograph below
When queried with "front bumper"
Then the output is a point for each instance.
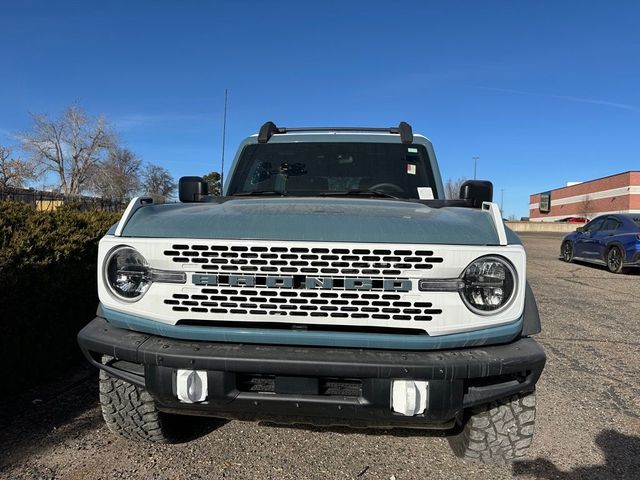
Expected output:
(316, 385)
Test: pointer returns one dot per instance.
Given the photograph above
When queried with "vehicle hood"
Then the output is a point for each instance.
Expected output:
(315, 219)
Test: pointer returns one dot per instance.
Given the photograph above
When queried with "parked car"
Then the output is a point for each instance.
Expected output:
(573, 220)
(612, 240)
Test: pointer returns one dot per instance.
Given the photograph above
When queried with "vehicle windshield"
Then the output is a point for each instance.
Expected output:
(325, 168)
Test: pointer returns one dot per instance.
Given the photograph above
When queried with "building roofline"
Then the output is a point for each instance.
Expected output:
(586, 181)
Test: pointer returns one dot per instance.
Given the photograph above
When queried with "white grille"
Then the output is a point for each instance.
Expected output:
(304, 303)
(245, 259)
(218, 299)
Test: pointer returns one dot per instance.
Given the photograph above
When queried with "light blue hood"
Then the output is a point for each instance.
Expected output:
(315, 219)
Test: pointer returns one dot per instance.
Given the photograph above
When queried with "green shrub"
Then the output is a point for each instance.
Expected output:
(47, 285)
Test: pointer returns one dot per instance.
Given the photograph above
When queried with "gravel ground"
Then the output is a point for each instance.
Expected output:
(588, 411)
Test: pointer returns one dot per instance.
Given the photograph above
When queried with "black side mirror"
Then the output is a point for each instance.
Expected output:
(580, 229)
(476, 192)
(192, 189)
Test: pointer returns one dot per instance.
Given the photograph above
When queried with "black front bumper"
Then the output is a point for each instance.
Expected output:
(317, 385)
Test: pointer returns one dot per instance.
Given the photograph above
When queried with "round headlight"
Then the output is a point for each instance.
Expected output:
(127, 274)
(489, 285)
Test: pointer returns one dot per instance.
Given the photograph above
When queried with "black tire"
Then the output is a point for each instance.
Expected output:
(566, 251)
(615, 260)
(130, 411)
(499, 432)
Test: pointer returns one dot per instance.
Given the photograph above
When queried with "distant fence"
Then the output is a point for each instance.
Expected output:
(49, 201)
(560, 227)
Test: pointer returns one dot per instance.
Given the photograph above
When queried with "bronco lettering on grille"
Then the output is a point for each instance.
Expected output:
(302, 282)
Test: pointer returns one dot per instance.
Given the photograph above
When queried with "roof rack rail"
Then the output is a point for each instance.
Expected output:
(269, 129)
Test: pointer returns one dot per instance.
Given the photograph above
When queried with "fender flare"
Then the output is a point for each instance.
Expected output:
(530, 317)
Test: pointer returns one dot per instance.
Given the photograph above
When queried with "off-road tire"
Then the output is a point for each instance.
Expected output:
(129, 411)
(498, 432)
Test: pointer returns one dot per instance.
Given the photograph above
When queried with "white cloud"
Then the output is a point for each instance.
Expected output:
(569, 98)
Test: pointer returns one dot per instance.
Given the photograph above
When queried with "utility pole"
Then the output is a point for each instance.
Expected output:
(224, 137)
(475, 166)
(502, 201)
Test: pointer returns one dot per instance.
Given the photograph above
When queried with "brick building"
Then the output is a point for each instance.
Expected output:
(618, 193)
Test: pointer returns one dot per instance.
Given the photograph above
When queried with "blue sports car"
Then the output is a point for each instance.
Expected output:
(611, 240)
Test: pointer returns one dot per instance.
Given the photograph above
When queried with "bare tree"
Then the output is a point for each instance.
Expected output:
(14, 172)
(213, 179)
(157, 182)
(70, 146)
(586, 208)
(118, 177)
(452, 188)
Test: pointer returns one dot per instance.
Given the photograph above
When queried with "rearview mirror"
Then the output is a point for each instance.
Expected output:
(477, 192)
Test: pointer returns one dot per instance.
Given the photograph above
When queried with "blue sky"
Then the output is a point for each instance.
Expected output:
(543, 92)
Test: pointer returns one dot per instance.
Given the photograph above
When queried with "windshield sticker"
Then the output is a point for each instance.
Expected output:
(425, 193)
(411, 169)
(412, 150)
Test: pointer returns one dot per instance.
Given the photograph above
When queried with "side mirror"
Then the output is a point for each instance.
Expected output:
(580, 229)
(476, 192)
(192, 189)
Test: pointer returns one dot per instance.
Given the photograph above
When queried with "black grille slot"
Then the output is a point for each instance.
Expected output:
(275, 302)
(298, 260)
(256, 383)
(340, 387)
(329, 386)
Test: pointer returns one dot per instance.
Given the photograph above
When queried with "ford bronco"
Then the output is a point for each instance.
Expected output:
(331, 284)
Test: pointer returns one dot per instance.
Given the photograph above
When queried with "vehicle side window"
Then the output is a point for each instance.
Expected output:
(611, 224)
(594, 226)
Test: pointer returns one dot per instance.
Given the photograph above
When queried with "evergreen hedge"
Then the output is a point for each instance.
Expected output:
(47, 286)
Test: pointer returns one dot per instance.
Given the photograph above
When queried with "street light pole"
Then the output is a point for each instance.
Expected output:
(475, 166)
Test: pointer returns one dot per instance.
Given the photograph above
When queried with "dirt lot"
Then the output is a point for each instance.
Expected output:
(588, 410)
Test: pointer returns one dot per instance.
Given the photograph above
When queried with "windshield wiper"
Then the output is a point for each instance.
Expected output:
(369, 193)
(259, 192)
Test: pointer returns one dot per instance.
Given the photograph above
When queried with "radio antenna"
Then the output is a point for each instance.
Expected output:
(224, 137)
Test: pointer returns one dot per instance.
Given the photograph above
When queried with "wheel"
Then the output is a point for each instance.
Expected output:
(566, 251)
(129, 411)
(615, 259)
(498, 432)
